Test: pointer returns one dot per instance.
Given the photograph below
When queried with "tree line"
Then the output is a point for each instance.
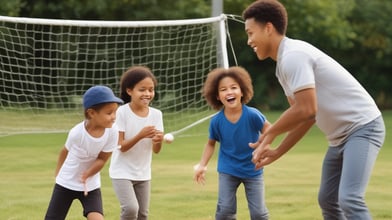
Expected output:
(356, 33)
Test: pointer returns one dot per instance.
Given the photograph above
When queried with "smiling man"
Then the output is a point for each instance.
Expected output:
(319, 90)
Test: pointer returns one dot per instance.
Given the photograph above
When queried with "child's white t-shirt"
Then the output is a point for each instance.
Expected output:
(83, 150)
(343, 104)
(134, 164)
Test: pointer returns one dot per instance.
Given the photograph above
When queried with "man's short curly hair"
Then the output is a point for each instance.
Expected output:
(264, 11)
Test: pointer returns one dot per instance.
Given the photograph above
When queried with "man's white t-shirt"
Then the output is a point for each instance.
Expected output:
(83, 150)
(343, 104)
(134, 164)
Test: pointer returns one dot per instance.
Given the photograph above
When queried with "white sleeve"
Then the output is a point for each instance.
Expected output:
(120, 119)
(112, 141)
(297, 67)
(74, 136)
(160, 121)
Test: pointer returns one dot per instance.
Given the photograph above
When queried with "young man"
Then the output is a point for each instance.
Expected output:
(321, 91)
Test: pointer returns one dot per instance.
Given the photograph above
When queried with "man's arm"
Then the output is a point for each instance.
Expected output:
(302, 108)
(268, 155)
(296, 121)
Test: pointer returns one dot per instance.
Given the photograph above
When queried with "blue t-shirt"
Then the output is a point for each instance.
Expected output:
(235, 155)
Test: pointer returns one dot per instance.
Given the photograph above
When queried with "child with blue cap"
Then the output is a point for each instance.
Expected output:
(88, 146)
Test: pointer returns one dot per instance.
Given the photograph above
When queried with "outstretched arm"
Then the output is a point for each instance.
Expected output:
(200, 169)
(270, 155)
(296, 121)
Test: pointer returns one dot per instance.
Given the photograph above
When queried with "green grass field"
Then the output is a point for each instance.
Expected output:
(27, 164)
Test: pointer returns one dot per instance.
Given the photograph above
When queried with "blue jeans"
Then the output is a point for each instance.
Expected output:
(346, 172)
(227, 199)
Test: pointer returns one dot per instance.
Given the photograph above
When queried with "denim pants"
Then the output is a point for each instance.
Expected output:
(346, 172)
(227, 199)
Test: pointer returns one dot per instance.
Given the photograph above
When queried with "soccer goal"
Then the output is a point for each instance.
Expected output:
(47, 64)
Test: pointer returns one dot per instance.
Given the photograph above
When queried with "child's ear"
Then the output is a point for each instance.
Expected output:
(129, 91)
(90, 112)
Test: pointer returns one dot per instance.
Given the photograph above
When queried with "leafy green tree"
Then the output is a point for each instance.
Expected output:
(116, 9)
(357, 33)
(354, 32)
(11, 8)
(370, 58)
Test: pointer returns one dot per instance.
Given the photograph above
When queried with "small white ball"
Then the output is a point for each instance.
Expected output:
(168, 138)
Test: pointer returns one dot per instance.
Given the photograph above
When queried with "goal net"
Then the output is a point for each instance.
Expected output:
(47, 64)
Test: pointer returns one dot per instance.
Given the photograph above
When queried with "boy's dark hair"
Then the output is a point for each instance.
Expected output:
(96, 108)
(210, 89)
(133, 76)
(264, 11)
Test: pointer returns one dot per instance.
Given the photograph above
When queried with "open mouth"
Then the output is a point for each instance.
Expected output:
(230, 99)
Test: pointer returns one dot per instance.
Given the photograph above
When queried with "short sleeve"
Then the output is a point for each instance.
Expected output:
(74, 136)
(159, 121)
(112, 141)
(213, 128)
(257, 118)
(297, 70)
(120, 119)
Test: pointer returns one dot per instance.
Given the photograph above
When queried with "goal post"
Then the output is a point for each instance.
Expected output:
(47, 64)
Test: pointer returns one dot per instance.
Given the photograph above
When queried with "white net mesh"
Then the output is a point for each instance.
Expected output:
(46, 65)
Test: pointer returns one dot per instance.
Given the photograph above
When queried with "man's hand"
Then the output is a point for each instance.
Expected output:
(263, 155)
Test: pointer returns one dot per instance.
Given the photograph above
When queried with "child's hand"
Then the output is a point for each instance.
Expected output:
(83, 179)
(158, 137)
(257, 143)
(147, 132)
(199, 174)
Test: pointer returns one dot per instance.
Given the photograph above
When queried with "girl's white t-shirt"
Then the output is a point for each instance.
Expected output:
(83, 150)
(134, 164)
(343, 104)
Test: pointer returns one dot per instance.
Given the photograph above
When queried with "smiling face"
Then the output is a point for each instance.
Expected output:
(229, 93)
(104, 116)
(143, 92)
(259, 38)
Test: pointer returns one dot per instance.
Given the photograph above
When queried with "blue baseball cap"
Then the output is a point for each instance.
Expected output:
(98, 95)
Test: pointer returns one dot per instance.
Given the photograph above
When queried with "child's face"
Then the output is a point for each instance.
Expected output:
(143, 92)
(229, 92)
(105, 116)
